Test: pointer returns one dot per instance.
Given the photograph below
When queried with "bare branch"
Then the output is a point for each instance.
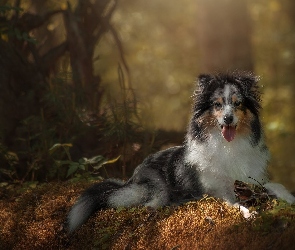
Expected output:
(29, 21)
(52, 56)
(120, 48)
(125, 64)
(104, 21)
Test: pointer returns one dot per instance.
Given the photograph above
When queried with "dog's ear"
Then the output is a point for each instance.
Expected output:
(249, 81)
(204, 80)
(249, 84)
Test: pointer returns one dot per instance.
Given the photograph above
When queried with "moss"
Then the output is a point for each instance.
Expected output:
(34, 220)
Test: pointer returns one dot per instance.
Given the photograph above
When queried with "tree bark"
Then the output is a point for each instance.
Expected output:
(85, 27)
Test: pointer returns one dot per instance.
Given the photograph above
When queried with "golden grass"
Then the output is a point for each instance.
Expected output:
(34, 220)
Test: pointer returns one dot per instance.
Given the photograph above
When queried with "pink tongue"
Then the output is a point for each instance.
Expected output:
(228, 132)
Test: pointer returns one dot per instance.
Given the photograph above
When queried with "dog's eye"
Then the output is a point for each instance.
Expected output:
(237, 103)
(217, 105)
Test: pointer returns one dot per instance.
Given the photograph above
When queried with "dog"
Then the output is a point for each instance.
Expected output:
(224, 143)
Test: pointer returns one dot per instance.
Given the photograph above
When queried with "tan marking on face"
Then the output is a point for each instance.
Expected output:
(219, 99)
(207, 120)
(234, 98)
(244, 123)
(218, 114)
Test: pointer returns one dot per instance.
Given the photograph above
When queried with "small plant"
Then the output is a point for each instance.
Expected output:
(12, 160)
(84, 165)
(253, 196)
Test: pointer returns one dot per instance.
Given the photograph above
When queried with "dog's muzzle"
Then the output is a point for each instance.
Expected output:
(228, 129)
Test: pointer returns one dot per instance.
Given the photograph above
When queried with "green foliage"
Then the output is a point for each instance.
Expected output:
(35, 136)
(276, 219)
(49, 103)
(12, 160)
(20, 35)
(6, 8)
(7, 28)
(83, 165)
(59, 120)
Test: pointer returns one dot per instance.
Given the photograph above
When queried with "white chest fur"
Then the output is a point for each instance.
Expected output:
(220, 163)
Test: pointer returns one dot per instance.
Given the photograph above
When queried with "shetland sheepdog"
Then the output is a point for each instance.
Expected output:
(224, 143)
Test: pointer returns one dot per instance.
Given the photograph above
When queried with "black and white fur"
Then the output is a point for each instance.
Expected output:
(207, 163)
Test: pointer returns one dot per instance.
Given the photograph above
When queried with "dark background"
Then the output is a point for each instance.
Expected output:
(116, 78)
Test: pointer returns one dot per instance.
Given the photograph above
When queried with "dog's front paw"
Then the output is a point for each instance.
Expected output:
(245, 211)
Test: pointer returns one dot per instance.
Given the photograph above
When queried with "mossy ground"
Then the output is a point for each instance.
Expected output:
(34, 220)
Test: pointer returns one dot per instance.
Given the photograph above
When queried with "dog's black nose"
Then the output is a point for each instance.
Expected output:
(228, 119)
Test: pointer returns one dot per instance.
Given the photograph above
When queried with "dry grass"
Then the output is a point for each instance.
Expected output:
(34, 220)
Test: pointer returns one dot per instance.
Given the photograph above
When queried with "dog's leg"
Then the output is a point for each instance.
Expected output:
(159, 199)
(245, 211)
(279, 191)
(130, 195)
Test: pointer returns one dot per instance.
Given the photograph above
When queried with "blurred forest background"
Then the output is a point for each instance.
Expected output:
(83, 82)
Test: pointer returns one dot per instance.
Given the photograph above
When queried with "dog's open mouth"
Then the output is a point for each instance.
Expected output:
(228, 132)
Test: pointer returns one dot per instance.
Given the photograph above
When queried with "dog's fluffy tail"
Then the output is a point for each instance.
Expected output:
(92, 200)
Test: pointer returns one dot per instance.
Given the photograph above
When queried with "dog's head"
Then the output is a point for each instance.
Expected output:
(229, 103)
